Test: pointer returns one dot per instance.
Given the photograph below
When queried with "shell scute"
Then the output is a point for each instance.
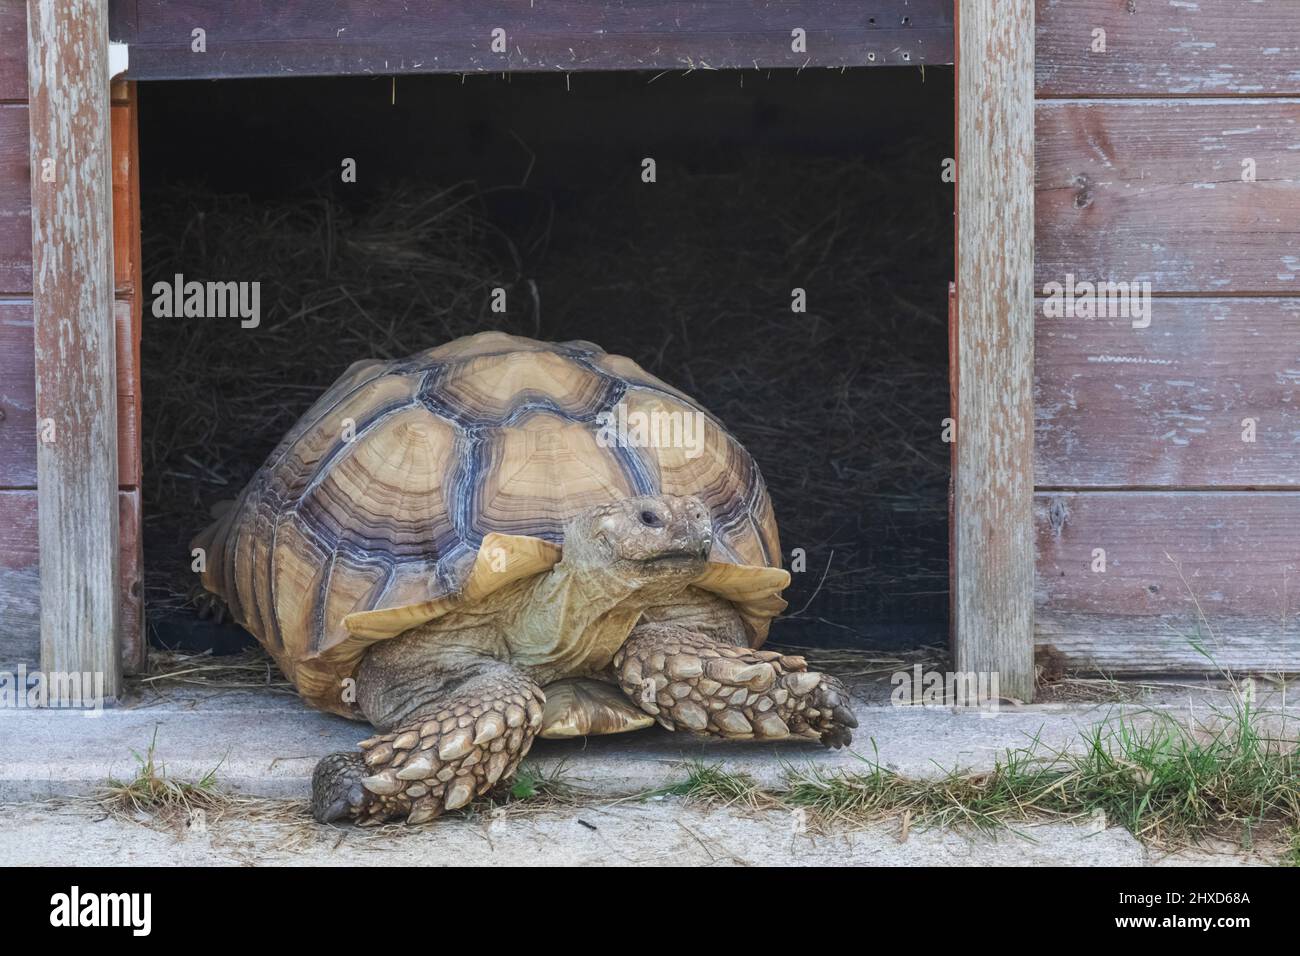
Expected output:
(374, 506)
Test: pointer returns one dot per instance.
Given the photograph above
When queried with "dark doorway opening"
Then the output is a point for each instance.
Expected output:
(765, 183)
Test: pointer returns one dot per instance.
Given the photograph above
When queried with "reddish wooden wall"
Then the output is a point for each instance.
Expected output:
(1139, 431)
(19, 561)
(1139, 446)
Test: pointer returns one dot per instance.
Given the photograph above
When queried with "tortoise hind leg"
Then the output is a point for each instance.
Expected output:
(691, 681)
(467, 735)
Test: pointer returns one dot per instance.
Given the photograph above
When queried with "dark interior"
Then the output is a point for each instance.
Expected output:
(766, 181)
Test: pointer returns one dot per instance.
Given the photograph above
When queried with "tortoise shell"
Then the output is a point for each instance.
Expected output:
(382, 494)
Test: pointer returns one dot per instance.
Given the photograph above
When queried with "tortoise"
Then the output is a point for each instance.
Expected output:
(501, 538)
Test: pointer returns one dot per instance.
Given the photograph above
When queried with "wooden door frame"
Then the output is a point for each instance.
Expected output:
(991, 360)
(75, 339)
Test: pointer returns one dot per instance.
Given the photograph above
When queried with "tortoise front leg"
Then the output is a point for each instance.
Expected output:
(469, 736)
(690, 681)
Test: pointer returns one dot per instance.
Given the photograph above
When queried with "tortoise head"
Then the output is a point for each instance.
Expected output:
(650, 535)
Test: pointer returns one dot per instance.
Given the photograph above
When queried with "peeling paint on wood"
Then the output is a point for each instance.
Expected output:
(18, 437)
(20, 587)
(72, 269)
(993, 532)
(13, 50)
(1158, 47)
(15, 202)
(1169, 405)
(348, 37)
(1156, 191)
(1215, 570)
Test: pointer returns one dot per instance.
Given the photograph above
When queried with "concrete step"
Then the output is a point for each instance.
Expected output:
(265, 744)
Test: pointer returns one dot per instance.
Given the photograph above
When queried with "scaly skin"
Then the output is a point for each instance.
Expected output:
(460, 699)
(690, 681)
(449, 752)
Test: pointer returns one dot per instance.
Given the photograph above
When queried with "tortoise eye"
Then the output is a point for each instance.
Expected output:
(651, 520)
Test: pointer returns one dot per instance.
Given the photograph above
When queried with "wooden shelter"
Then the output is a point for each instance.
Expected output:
(1121, 490)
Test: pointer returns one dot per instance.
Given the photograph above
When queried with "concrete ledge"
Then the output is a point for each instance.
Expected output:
(266, 744)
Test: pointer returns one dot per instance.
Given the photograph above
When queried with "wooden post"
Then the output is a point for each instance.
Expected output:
(993, 525)
(72, 300)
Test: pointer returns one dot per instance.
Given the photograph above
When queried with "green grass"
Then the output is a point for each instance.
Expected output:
(712, 784)
(1168, 784)
(152, 793)
(533, 784)
(1292, 856)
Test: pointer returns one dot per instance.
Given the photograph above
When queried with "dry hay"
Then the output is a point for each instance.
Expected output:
(864, 663)
(250, 669)
(841, 406)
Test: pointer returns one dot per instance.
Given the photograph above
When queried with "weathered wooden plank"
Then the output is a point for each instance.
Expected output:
(20, 581)
(72, 251)
(133, 644)
(1165, 47)
(126, 325)
(13, 50)
(1215, 570)
(129, 281)
(1170, 405)
(993, 522)
(18, 395)
(20, 586)
(954, 389)
(342, 37)
(126, 224)
(15, 202)
(1153, 190)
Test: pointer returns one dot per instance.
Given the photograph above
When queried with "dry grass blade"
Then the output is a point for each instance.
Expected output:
(247, 670)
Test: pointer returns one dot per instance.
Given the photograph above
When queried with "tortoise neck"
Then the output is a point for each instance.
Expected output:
(576, 618)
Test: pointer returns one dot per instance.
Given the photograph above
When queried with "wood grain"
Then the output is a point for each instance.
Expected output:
(343, 37)
(15, 202)
(18, 396)
(1159, 47)
(13, 50)
(133, 644)
(1221, 569)
(993, 525)
(74, 338)
(954, 389)
(129, 286)
(126, 202)
(20, 590)
(1152, 190)
(1119, 407)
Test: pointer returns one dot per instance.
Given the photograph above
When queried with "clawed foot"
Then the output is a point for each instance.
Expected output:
(208, 605)
(336, 789)
(429, 767)
(691, 682)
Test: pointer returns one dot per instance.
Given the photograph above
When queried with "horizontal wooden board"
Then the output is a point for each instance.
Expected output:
(1152, 190)
(1122, 407)
(1218, 568)
(1162, 47)
(18, 397)
(15, 202)
(342, 37)
(13, 49)
(20, 589)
